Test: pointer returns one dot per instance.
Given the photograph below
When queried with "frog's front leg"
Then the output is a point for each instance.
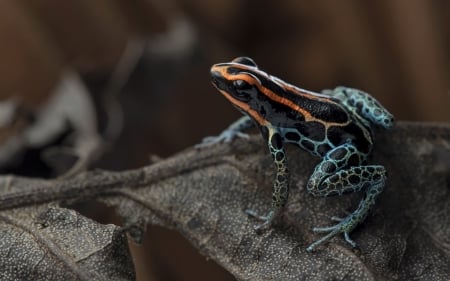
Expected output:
(339, 173)
(234, 130)
(280, 190)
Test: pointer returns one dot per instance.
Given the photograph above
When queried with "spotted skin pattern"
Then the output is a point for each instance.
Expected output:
(280, 187)
(336, 125)
(361, 104)
(280, 191)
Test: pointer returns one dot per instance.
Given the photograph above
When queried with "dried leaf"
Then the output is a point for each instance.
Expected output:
(49, 243)
(202, 194)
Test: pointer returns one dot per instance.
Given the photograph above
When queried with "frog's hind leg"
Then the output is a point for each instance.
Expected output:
(339, 173)
(362, 104)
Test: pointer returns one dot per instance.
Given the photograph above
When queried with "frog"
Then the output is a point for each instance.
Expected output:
(337, 125)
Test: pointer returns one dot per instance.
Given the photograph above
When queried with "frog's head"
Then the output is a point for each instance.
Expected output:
(236, 79)
(239, 81)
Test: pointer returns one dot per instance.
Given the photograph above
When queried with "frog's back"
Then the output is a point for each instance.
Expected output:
(308, 105)
(325, 123)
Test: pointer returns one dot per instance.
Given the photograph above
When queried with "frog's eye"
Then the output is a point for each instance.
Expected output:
(241, 84)
(245, 60)
(242, 89)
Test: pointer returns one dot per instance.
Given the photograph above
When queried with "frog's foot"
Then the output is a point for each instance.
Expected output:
(267, 219)
(345, 226)
(226, 136)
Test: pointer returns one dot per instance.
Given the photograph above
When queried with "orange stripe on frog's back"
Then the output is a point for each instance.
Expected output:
(252, 80)
(287, 102)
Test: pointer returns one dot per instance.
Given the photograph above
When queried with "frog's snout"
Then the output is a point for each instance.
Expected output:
(217, 80)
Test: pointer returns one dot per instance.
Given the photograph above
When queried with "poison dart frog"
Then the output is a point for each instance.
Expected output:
(335, 125)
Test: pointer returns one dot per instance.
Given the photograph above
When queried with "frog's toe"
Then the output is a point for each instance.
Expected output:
(206, 141)
(349, 240)
(324, 229)
(226, 137)
(266, 220)
(344, 226)
(241, 135)
(254, 214)
(209, 139)
(229, 135)
(259, 229)
(338, 219)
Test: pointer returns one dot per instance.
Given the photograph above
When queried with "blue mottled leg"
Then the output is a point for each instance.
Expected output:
(281, 185)
(339, 173)
(234, 130)
(362, 104)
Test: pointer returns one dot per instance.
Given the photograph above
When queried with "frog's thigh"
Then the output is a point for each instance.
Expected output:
(352, 179)
(332, 166)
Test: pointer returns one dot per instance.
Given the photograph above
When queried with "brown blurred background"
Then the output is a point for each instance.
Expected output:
(153, 58)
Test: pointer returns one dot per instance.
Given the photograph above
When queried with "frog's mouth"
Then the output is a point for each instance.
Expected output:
(215, 78)
(218, 81)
